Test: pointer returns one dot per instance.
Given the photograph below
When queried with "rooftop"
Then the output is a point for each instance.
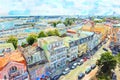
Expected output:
(6, 47)
(15, 56)
(50, 39)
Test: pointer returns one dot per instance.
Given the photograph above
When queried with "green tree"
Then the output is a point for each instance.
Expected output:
(54, 24)
(31, 39)
(23, 45)
(51, 33)
(107, 62)
(56, 32)
(13, 40)
(42, 34)
(65, 23)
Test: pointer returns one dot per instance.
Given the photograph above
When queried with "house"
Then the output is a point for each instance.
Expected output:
(84, 38)
(13, 66)
(36, 61)
(56, 53)
(72, 48)
(94, 42)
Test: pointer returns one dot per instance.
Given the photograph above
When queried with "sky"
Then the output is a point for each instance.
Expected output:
(58, 7)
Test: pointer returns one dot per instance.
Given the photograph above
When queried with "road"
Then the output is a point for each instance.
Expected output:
(73, 75)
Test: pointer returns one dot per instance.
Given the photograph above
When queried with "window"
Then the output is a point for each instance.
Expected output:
(13, 69)
(5, 77)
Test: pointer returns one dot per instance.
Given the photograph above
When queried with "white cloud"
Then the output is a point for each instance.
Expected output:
(56, 7)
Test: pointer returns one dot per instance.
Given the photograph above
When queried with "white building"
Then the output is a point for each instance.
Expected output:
(55, 51)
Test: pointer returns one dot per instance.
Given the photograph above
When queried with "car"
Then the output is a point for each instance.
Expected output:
(66, 71)
(105, 49)
(93, 66)
(81, 60)
(74, 66)
(80, 63)
(88, 70)
(80, 76)
(56, 77)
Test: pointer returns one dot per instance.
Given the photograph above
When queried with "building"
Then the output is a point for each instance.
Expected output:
(7, 47)
(13, 66)
(55, 51)
(36, 62)
(115, 38)
(81, 39)
(98, 28)
(94, 42)
(72, 48)
(84, 38)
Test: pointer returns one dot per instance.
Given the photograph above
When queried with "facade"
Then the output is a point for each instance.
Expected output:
(80, 39)
(55, 51)
(94, 42)
(13, 66)
(118, 38)
(36, 62)
(82, 49)
(72, 51)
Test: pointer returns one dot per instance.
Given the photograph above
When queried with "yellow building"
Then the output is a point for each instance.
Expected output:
(82, 48)
(99, 29)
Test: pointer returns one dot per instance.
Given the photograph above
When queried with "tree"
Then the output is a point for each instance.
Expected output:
(51, 33)
(107, 62)
(42, 34)
(65, 23)
(24, 44)
(31, 39)
(57, 32)
(54, 24)
(13, 40)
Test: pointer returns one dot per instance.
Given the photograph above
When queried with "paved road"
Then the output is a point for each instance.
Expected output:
(73, 75)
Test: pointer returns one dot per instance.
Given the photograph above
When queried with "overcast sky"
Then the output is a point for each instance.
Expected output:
(59, 7)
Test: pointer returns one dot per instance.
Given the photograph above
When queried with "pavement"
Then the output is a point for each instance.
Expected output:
(73, 75)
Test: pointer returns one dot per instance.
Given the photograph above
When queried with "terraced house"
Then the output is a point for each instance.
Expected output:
(72, 49)
(55, 52)
(36, 62)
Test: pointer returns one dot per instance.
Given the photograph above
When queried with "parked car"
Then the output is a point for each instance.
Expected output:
(56, 77)
(66, 71)
(80, 63)
(81, 60)
(88, 70)
(105, 49)
(93, 66)
(80, 76)
(74, 66)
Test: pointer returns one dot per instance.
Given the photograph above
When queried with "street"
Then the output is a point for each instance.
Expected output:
(73, 75)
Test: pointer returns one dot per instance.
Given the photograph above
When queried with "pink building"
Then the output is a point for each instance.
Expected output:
(13, 66)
